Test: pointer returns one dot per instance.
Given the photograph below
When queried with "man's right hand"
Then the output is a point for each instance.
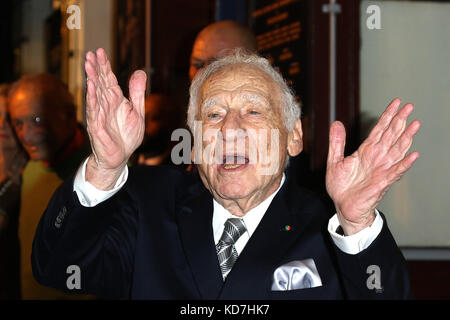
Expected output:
(115, 124)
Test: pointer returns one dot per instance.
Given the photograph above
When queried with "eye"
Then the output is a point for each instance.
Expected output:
(213, 115)
(254, 112)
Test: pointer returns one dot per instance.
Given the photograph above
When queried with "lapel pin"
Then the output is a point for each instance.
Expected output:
(287, 228)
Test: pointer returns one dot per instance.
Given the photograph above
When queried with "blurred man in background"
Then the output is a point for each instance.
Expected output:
(218, 38)
(44, 118)
(12, 162)
(161, 119)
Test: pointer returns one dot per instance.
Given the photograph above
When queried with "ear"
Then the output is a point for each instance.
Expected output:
(295, 139)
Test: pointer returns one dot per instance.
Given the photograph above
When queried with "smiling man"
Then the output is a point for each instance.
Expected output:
(240, 231)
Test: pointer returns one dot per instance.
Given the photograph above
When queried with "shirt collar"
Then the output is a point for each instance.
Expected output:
(251, 218)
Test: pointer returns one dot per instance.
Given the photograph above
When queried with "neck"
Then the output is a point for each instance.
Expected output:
(72, 144)
(240, 207)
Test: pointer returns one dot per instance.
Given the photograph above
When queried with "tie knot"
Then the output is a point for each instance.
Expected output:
(234, 228)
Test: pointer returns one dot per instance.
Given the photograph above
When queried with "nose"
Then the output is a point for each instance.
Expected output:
(232, 127)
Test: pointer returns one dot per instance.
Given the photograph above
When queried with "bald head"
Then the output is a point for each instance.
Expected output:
(216, 39)
(43, 115)
(44, 86)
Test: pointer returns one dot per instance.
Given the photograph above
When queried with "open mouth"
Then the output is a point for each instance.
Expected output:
(234, 162)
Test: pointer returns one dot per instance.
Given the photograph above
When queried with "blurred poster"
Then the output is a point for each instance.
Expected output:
(279, 29)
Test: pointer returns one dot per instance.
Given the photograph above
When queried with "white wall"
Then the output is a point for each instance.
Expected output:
(95, 32)
(410, 58)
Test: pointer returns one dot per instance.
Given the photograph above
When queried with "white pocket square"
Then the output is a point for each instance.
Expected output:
(298, 274)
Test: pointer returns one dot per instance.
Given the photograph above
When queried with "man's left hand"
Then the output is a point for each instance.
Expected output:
(357, 183)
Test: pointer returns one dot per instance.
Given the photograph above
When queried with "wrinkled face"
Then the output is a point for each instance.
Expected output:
(207, 48)
(39, 123)
(239, 108)
(8, 141)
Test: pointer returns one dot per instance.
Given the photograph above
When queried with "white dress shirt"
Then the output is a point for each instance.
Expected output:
(251, 219)
(89, 196)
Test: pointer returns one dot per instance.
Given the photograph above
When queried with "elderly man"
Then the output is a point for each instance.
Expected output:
(218, 39)
(241, 231)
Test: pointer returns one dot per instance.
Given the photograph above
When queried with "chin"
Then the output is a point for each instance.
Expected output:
(36, 156)
(235, 190)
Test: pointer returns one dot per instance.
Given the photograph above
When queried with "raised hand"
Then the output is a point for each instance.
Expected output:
(115, 124)
(357, 183)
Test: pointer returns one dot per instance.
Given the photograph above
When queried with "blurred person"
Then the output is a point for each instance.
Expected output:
(12, 162)
(43, 116)
(161, 119)
(218, 38)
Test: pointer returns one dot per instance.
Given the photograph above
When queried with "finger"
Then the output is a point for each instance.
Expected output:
(384, 121)
(337, 143)
(405, 141)
(400, 168)
(91, 72)
(137, 91)
(396, 127)
(105, 71)
(92, 107)
(91, 57)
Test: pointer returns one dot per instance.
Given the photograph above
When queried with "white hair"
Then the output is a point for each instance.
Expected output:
(290, 107)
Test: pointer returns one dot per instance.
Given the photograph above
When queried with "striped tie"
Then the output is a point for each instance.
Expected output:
(226, 252)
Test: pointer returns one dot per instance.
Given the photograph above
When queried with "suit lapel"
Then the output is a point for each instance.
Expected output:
(275, 234)
(195, 225)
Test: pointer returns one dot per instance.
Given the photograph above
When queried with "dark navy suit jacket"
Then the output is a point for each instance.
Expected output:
(154, 240)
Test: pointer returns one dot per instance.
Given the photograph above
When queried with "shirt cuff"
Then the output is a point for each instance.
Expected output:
(356, 242)
(90, 196)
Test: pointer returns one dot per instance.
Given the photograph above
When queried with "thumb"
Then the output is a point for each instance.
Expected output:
(337, 143)
(137, 90)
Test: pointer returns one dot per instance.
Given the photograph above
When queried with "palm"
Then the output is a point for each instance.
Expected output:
(115, 124)
(358, 182)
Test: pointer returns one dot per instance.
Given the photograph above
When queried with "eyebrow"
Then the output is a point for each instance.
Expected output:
(250, 97)
(255, 98)
(208, 103)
